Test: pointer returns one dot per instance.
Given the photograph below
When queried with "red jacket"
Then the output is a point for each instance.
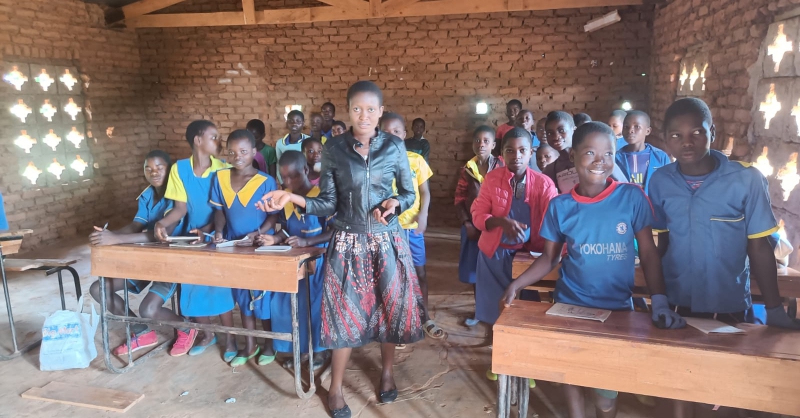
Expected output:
(495, 199)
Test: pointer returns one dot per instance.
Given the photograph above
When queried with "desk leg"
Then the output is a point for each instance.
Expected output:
(17, 351)
(503, 398)
(523, 396)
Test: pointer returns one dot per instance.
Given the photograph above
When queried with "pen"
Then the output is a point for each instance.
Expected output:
(285, 233)
(105, 227)
(209, 235)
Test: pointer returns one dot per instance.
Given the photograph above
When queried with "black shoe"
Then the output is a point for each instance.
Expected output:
(389, 396)
(341, 412)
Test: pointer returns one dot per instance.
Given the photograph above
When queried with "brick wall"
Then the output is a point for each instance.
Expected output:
(731, 32)
(71, 31)
(436, 68)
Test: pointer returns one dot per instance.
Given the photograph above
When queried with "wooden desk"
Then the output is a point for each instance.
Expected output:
(788, 278)
(235, 267)
(627, 353)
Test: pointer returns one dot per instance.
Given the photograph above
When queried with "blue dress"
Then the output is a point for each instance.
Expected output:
(494, 273)
(304, 226)
(468, 259)
(242, 217)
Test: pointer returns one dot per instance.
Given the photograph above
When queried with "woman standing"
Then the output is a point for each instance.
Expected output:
(370, 292)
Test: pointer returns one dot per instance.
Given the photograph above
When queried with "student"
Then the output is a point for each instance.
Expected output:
(470, 178)
(600, 279)
(638, 159)
(312, 150)
(338, 128)
(526, 120)
(152, 207)
(355, 298)
(731, 222)
(581, 119)
(616, 120)
(3, 219)
(414, 221)
(233, 196)
(267, 155)
(418, 143)
(189, 187)
(304, 231)
(545, 155)
(316, 127)
(513, 107)
(508, 211)
(294, 139)
(328, 111)
(541, 132)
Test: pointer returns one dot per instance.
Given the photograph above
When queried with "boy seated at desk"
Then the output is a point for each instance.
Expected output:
(304, 231)
(152, 208)
(598, 271)
(731, 221)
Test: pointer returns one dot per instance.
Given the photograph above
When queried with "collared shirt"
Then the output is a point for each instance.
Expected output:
(598, 271)
(303, 225)
(241, 214)
(185, 186)
(151, 209)
(706, 267)
(283, 145)
(420, 173)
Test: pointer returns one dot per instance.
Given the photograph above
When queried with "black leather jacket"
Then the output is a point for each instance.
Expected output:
(351, 187)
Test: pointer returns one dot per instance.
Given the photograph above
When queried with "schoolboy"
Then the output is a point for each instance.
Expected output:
(233, 196)
(316, 127)
(545, 155)
(572, 219)
(312, 150)
(638, 159)
(304, 231)
(541, 132)
(267, 155)
(415, 220)
(338, 128)
(294, 139)
(189, 187)
(513, 107)
(418, 143)
(328, 111)
(581, 119)
(615, 121)
(526, 120)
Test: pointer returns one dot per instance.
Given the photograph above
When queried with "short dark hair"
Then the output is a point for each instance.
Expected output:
(561, 116)
(588, 128)
(196, 128)
(294, 159)
(688, 105)
(516, 133)
(308, 141)
(418, 120)
(639, 113)
(513, 102)
(619, 114)
(296, 113)
(329, 104)
(339, 123)
(524, 111)
(242, 134)
(545, 146)
(483, 129)
(388, 116)
(581, 118)
(364, 86)
(315, 114)
(157, 153)
(256, 125)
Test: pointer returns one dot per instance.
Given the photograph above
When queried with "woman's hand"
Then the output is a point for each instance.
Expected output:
(160, 232)
(201, 237)
(297, 242)
(508, 297)
(267, 240)
(389, 207)
(102, 236)
(274, 200)
(249, 240)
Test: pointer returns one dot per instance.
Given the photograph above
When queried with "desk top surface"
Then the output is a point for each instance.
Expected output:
(295, 254)
(529, 318)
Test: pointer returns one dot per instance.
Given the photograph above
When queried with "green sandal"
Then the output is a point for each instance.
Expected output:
(264, 359)
(240, 361)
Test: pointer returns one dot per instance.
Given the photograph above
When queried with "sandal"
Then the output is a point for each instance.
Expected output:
(433, 330)
(389, 396)
(228, 356)
(471, 322)
(341, 412)
(491, 376)
(265, 359)
(200, 349)
(241, 361)
(400, 347)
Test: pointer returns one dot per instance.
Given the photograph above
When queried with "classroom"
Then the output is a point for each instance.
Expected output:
(266, 207)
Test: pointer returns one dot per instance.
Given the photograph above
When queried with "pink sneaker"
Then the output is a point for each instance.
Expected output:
(145, 340)
(183, 343)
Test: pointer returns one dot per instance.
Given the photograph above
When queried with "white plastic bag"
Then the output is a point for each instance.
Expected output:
(68, 340)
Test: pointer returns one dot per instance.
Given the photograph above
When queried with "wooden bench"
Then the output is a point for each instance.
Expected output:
(756, 371)
(50, 266)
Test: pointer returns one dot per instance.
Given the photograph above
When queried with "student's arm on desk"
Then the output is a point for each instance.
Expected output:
(297, 242)
(219, 225)
(551, 256)
(650, 258)
(764, 270)
(128, 234)
(174, 216)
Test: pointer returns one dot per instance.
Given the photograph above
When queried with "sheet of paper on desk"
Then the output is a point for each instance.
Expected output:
(536, 255)
(273, 248)
(712, 326)
(188, 245)
(230, 243)
(572, 311)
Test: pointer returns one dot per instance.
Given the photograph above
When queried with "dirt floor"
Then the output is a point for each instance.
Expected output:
(436, 378)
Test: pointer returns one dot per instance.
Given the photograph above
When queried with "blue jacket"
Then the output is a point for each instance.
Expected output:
(658, 159)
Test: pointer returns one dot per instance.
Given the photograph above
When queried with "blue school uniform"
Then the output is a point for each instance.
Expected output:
(709, 222)
(621, 142)
(242, 217)
(151, 210)
(494, 273)
(3, 220)
(598, 271)
(303, 226)
(638, 167)
(195, 191)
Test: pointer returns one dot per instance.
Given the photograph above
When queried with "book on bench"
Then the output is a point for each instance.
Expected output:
(579, 312)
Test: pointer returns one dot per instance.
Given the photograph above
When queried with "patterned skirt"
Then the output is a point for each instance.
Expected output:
(370, 291)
